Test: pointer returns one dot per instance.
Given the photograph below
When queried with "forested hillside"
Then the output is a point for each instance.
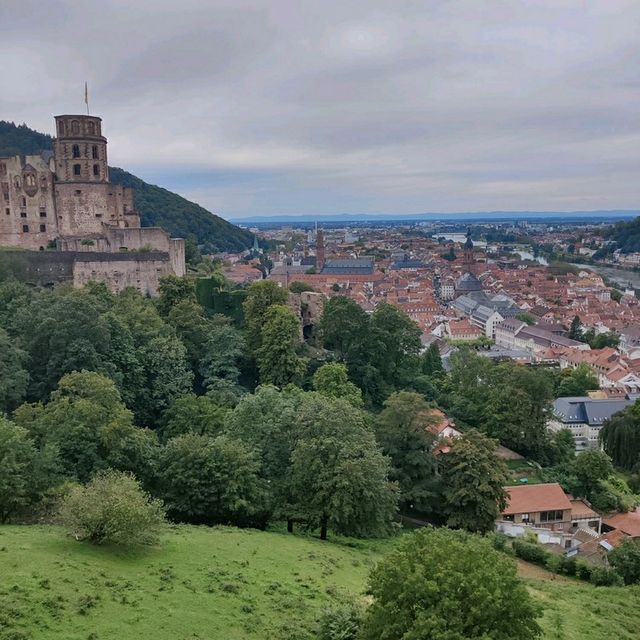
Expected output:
(157, 206)
(626, 235)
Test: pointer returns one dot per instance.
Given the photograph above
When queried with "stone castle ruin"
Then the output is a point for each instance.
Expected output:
(68, 223)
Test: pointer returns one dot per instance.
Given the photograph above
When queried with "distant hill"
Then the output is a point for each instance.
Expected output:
(157, 206)
(626, 235)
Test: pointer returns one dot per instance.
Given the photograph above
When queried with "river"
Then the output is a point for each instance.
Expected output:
(621, 277)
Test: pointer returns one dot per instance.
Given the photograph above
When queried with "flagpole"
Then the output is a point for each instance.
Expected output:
(86, 96)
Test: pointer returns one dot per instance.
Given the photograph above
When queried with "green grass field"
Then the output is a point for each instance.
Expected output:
(204, 583)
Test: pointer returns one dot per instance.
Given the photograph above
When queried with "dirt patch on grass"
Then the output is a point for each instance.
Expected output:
(528, 570)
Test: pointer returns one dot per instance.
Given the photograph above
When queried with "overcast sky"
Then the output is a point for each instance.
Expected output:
(327, 106)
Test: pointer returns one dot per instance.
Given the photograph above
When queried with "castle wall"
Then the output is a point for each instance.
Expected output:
(27, 207)
(84, 208)
(119, 270)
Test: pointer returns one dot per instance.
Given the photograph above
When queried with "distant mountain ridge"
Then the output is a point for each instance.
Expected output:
(157, 206)
(605, 214)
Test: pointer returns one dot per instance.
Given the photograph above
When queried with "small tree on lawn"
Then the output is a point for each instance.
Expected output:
(112, 509)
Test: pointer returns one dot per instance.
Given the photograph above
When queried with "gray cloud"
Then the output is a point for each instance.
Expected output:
(257, 106)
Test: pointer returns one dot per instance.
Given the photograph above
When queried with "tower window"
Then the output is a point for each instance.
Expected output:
(23, 214)
(75, 127)
(24, 202)
(25, 228)
(94, 151)
(96, 169)
(43, 227)
(43, 214)
(75, 150)
(8, 211)
(76, 170)
(91, 128)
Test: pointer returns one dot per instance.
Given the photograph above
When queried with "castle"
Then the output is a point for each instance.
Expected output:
(63, 200)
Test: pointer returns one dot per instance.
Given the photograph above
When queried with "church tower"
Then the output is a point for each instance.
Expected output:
(469, 258)
(319, 250)
(80, 150)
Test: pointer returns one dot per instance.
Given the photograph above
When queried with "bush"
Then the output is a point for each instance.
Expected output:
(605, 577)
(569, 566)
(112, 509)
(498, 541)
(583, 570)
(554, 563)
(340, 623)
(530, 551)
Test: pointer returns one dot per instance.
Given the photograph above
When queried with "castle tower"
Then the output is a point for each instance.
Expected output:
(86, 202)
(80, 149)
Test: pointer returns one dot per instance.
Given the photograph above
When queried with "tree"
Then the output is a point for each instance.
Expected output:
(212, 481)
(268, 422)
(222, 353)
(576, 329)
(23, 477)
(344, 327)
(591, 467)
(527, 318)
(89, 425)
(625, 559)
(432, 361)
(563, 448)
(278, 362)
(192, 414)
(402, 429)
(448, 585)
(338, 476)
(167, 377)
(14, 378)
(260, 297)
(620, 437)
(300, 287)
(576, 382)
(332, 380)
(188, 319)
(473, 478)
(397, 343)
(112, 509)
(173, 291)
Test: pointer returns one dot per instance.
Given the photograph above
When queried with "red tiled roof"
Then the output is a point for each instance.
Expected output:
(628, 523)
(536, 497)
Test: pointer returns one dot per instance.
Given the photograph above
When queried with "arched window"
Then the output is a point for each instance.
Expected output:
(16, 182)
(94, 152)
(31, 180)
(76, 170)
(75, 150)
(75, 127)
(91, 128)
(61, 128)
(96, 169)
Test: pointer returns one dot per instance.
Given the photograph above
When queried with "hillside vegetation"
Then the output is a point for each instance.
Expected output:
(157, 206)
(232, 583)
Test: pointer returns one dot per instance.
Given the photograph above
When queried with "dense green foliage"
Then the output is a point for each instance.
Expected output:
(157, 207)
(446, 585)
(625, 235)
(620, 437)
(112, 509)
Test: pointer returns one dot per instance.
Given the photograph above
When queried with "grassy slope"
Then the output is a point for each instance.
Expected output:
(201, 583)
(227, 583)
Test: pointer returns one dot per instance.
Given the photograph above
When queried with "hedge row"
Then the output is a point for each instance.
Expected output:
(536, 554)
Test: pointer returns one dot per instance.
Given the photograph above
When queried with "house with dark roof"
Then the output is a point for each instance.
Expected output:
(584, 417)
